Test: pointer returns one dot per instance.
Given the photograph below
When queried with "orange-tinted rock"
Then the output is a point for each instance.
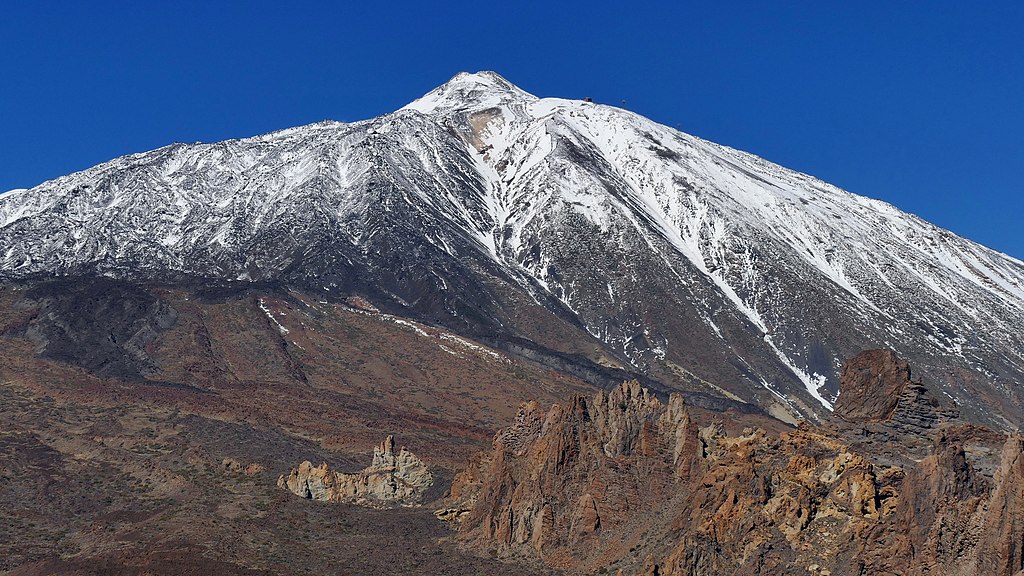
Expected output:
(235, 467)
(1001, 545)
(562, 478)
(586, 519)
(627, 484)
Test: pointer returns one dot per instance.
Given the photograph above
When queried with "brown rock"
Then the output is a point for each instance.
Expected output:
(622, 479)
(449, 514)
(1001, 545)
(559, 478)
(253, 469)
(876, 386)
(586, 519)
(235, 467)
(870, 386)
(939, 498)
(650, 567)
(619, 416)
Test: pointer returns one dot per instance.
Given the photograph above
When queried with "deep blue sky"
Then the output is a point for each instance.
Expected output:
(918, 103)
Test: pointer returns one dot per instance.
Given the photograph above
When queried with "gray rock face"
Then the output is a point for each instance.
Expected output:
(702, 267)
(100, 325)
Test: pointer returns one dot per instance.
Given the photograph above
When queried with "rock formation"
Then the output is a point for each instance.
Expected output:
(392, 478)
(232, 466)
(623, 481)
(557, 479)
(876, 386)
(872, 383)
(1000, 547)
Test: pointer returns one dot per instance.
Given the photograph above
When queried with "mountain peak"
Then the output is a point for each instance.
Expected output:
(484, 209)
(470, 90)
(484, 77)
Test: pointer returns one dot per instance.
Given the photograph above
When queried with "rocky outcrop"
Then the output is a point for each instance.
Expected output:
(877, 386)
(392, 478)
(1000, 547)
(870, 386)
(559, 479)
(232, 466)
(622, 481)
(939, 498)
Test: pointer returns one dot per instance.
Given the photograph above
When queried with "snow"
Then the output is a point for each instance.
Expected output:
(406, 323)
(471, 346)
(270, 315)
(812, 382)
(480, 162)
(434, 334)
(487, 89)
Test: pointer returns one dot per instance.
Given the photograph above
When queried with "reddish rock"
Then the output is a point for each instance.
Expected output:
(876, 387)
(626, 484)
(559, 479)
(1001, 545)
(870, 386)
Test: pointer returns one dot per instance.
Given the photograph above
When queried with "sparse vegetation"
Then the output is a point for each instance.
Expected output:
(100, 472)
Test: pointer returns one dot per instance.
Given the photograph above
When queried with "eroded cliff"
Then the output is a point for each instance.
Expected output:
(623, 481)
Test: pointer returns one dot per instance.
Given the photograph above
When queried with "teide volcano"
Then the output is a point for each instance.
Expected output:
(578, 235)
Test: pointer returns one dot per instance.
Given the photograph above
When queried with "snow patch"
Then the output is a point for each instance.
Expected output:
(812, 382)
(270, 315)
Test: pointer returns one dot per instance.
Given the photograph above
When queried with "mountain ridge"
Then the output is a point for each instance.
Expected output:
(668, 250)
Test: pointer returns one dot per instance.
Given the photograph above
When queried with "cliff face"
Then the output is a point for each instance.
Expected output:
(393, 478)
(559, 479)
(1000, 545)
(622, 481)
(872, 384)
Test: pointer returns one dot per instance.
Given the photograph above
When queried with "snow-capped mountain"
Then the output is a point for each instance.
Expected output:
(479, 204)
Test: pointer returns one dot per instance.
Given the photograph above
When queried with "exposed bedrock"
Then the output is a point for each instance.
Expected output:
(394, 477)
(623, 481)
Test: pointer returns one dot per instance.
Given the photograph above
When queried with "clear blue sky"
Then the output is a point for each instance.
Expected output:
(918, 103)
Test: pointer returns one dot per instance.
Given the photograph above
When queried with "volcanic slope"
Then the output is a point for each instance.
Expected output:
(143, 429)
(496, 214)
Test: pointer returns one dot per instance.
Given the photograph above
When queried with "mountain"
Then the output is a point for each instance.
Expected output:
(576, 235)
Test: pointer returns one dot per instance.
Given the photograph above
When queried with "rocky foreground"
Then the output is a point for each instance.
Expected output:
(622, 481)
(130, 446)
